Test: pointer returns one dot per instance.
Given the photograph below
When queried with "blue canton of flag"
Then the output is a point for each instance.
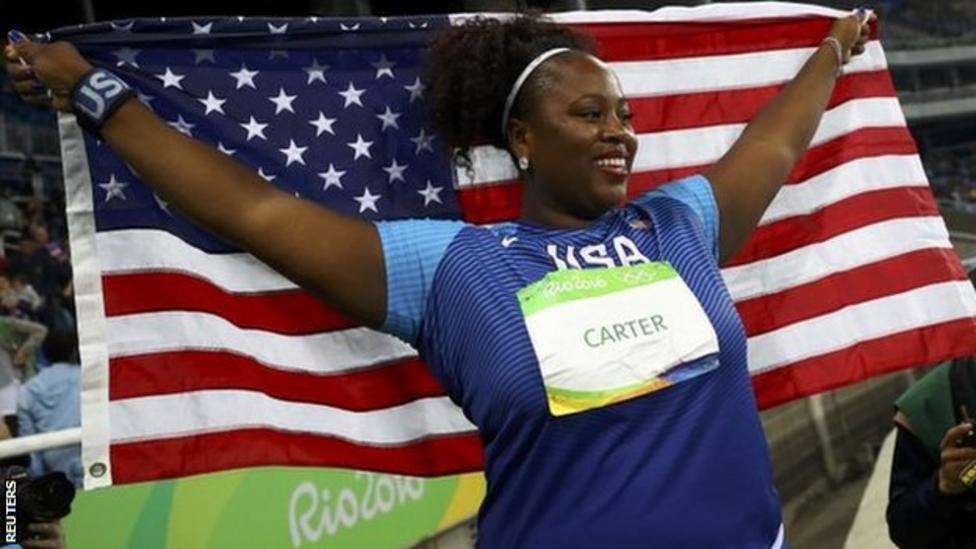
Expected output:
(329, 110)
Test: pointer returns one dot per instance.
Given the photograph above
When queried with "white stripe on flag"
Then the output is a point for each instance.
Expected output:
(720, 11)
(864, 321)
(852, 178)
(730, 11)
(330, 352)
(727, 72)
(212, 411)
(140, 250)
(861, 246)
(697, 146)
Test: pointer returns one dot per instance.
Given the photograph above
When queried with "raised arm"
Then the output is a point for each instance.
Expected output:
(749, 175)
(335, 256)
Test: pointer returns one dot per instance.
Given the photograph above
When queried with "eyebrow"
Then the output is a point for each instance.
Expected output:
(623, 99)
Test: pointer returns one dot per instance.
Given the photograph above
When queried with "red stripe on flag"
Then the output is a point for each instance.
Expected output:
(292, 312)
(205, 453)
(696, 110)
(931, 344)
(648, 40)
(785, 235)
(377, 386)
(841, 289)
(503, 201)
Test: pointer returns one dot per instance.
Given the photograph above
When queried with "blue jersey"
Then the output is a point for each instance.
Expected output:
(684, 466)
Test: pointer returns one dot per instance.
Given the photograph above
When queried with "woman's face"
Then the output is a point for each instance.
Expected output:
(578, 137)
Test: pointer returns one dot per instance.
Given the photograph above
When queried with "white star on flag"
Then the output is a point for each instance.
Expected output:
(254, 129)
(277, 53)
(346, 27)
(182, 126)
(422, 141)
(316, 72)
(395, 171)
(201, 29)
(283, 101)
(293, 153)
(333, 177)
(199, 56)
(114, 188)
(361, 147)
(171, 79)
(124, 27)
(416, 89)
(351, 95)
(225, 150)
(389, 119)
(384, 67)
(266, 177)
(126, 56)
(213, 103)
(323, 124)
(278, 30)
(244, 77)
(367, 200)
(431, 193)
(163, 205)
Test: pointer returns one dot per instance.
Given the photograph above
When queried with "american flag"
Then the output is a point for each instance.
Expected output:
(199, 358)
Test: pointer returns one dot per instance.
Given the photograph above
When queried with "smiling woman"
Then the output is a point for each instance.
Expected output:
(592, 341)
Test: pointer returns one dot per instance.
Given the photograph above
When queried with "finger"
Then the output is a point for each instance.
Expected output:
(23, 47)
(46, 528)
(62, 103)
(953, 453)
(29, 87)
(9, 53)
(17, 72)
(41, 544)
(24, 87)
(38, 100)
(949, 440)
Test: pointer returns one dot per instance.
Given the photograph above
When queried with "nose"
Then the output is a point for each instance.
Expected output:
(617, 130)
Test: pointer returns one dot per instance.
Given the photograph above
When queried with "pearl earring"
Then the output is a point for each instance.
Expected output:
(523, 163)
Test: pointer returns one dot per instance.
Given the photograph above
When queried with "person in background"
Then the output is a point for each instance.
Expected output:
(18, 297)
(19, 339)
(45, 535)
(929, 506)
(51, 401)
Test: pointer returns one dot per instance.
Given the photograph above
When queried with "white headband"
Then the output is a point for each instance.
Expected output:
(526, 72)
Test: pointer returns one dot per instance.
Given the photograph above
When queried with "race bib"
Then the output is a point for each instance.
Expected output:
(603, 336)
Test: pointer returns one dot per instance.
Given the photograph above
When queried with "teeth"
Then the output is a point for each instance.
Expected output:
(611, 162)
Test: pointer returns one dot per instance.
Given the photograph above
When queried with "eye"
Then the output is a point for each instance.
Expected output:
(591, 114)
(626, 117)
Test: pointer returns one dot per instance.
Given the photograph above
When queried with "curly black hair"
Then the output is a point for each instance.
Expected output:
(470, 71)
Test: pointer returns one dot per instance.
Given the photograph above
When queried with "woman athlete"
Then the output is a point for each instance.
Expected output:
(592, 341)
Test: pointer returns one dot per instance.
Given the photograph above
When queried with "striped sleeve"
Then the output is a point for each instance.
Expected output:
(412, 249)
(696, 193)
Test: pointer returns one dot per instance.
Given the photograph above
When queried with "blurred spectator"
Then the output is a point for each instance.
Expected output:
(51, 401)
(929, 506)
(19, 340)
(18, 297)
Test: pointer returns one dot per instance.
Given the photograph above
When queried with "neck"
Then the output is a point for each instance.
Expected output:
(542, 210)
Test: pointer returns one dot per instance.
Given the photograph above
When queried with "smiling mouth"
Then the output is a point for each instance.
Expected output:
(615, 166)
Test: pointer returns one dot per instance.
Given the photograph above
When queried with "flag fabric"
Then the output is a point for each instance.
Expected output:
(199, 358)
